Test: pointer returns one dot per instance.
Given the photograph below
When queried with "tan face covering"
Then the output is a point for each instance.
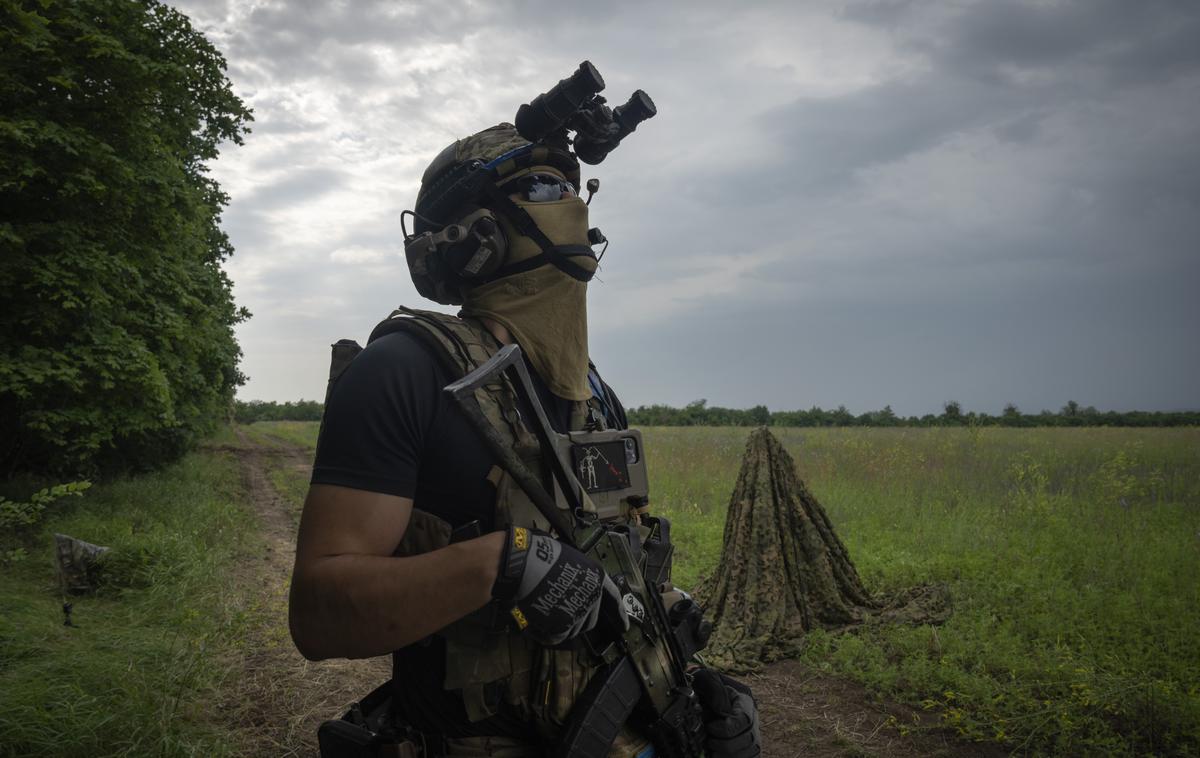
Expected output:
(545, 309)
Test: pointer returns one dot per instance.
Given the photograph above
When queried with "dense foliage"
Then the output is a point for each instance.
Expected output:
(18, 517)
(699, 413)
(258, 410)
(116, 336)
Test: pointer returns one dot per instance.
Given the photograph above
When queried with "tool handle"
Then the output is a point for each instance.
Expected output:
(509, 361)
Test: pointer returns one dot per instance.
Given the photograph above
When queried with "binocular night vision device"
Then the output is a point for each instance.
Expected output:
(574, 105)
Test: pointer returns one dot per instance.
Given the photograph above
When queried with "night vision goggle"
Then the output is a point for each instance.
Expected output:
(574, 105)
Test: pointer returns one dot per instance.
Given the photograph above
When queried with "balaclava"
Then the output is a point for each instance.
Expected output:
(545, 308)
(539, 289)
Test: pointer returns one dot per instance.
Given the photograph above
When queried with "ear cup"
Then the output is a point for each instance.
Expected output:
(474, 247)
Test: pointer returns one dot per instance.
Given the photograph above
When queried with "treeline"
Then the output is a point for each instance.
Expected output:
(247, 412)
(699, 413)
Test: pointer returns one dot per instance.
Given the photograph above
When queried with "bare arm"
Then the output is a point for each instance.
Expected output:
(351, 598)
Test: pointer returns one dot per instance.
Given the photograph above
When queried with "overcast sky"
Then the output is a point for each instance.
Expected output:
(858, 203)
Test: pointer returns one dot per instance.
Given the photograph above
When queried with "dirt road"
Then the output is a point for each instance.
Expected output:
(278, 699)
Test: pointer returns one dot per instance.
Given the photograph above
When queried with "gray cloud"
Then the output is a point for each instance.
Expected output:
(296, 186)
(862, 203)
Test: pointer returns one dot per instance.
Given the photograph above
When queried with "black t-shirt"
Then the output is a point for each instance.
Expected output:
(390, 428)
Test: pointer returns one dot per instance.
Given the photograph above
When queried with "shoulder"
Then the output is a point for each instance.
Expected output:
(400, 345)
(397, 360)
(460, 344)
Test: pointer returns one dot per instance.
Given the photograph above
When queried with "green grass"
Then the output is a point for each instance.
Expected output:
(302, 433)
(141, 672)
(1072, 556)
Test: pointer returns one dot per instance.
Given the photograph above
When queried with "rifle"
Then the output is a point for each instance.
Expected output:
(644, 674)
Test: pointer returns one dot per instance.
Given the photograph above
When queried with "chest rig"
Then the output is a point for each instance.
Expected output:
(485, 659)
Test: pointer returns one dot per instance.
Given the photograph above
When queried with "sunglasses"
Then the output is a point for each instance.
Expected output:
(541, 188)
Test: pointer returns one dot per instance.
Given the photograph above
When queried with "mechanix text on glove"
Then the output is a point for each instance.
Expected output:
(556, 591)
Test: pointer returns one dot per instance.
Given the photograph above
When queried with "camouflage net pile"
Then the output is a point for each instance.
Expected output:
(783, 571)
(78, 563)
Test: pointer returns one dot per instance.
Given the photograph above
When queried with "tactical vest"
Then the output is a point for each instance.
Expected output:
(485, 658)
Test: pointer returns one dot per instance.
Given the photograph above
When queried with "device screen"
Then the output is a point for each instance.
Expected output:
(603, 466)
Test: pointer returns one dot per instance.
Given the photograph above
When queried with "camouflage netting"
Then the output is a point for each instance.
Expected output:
(782, 571)
(78, 562)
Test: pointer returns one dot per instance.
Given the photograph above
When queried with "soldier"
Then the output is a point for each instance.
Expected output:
(413, 540)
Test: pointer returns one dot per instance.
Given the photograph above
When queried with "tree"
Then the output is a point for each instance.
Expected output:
(887, 417)
(782, 571)
(842, 417)
(758, 416)
(116, 338)
(952, 413)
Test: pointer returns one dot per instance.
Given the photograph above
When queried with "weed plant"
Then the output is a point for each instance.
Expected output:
(1072, 556)
(141, 670)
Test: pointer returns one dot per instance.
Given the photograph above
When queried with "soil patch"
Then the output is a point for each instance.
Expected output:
(807, 713)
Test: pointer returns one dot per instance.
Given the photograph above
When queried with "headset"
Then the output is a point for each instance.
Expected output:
(447, 256)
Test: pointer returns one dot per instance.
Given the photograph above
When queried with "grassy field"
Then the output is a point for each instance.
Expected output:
(1072, 556)
(303, 433)
(141, 672)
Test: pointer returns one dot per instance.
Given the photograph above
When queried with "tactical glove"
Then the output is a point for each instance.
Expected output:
(730, 716)
(556, 592)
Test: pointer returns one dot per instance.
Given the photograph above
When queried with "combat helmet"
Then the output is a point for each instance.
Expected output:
(458, 241)
(465, 208)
